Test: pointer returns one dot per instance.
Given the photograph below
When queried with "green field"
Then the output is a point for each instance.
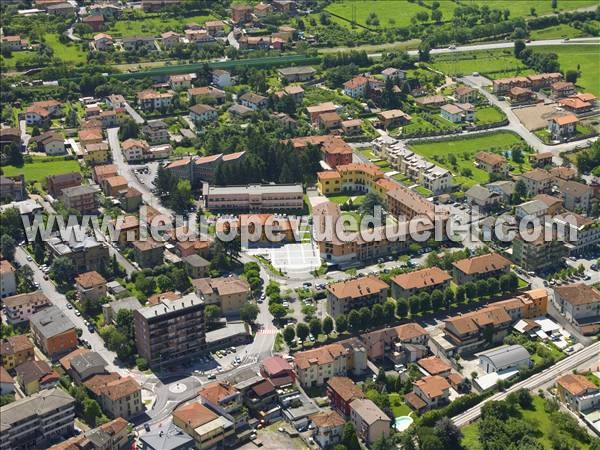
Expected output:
(38, 170)
(464, 150)
(16, 57)
(398, 13)
(487, 115)
(484, 61)
(556, 32)
(68, 53)
(153, 26)
(587, 57)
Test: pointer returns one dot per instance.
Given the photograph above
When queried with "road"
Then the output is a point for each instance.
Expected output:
(134, 114)
(505, 44)
(58, 299)
(24, 135)
(533, 382)
(71, 35)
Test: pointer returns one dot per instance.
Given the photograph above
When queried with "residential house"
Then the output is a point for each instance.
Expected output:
(391, 73)
(370, 422)
(34, 376)
(575, 105)
(95, 22)
(114, 185)
(36, 420)
(299, 73)
(432, 391)
(505, 357)
(229, 293)
(579, 393)
(491, 265)
(434, 365)
(537, 181)
(148, 253)
(215, 27)
(576, 196)
(156, 132)
(329, 426)
(100, 173)
(225, 399)
(562, 89)
(329, 121)
(580, 304)
(169, 39)
(15, 350)
(50, 142)
(61, 9)
(13, 43)
(221, 78)
(352, 127)
(563, 173)
(90, 285)
(102, 42)
(316, 366)
(295, 92)
(196, 266)
(341, 392)
(180, 81)
(19, 308)
(393, 118)
(241, 13)
(134, 149)
(207, 94)
(81, 198)
(402, 344)
(12, 188)
(121, 398)
(541, 160)
(115, 101)
(7, 384)
(53, 332)
(424, 280)
(8, 282)
(492, 163)
(206, 428)
(275, 367)
(131, 199)
(482, 197)
(150, 100)
(111, 310)
(521, 96)
(200, 113)
(82, 365)
(458, 112)
(357, 87)
(562, 127)
(111, 435)
(96, 153)
(91, 135)
(56, 183)
(587, 234)
(10, 136)
(253, 101)
(315, 111)
(136, 43)
(465, 94)
(353, 294)
(504, 188)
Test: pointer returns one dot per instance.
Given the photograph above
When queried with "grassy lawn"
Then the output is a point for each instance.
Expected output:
(38, 170)
(153, 25)
(66, 52)
(559, 31)
(339, 199)
(522, 8)
(423, 191)
(16, 57)
(418, 124)
(470, 440)
(488, 114)
(484, 61)
(181, 150)
(464, 150)
(398, 406)
(357, 217)
(587, 57)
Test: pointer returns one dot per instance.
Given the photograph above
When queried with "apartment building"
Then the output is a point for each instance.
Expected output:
(86, 254)
(208, 429)
(200, 113)
(254, 197)
(580, 304)
(15, 350)
(537, 181)
(370, 422)
(122, 398)
(336, 152)
(8, 283)
(19, 308)
(226, 400)
(353, 294)
(150, 100)
(103, 172)
(134, 149)
(96, 153)
(156, 132)
(148, 253)
(111, 435)
(579, 393)
(170, 330)
(314, 367)
(221, 78)
(540, 254)
(424, 280)
(229, 293)
(11, 188)
(56, 183)
(53, 332)
(341, 392)
(90, 285)
(36, 420)
(576, 196)
(402, 344)
(81, 198)
(491, 265)
(580, 233)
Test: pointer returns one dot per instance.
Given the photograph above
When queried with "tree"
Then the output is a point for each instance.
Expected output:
(448, 296)
(315, 327)
(482, 288)
(349, 438)
(460, 294)
(249, 312)
(289, 334)
(354, 320)
(212, 314)
(128, 129)
(437, 299)
(449, 433)
(436, 15)
(91, 411)
(401, 308)
(520, 189)
(277, 310)
(62, 270)
(164, 283)
(519, 47)
(425, 301)
(341, 324)
(414, 305)
(146, 285)
(302, 331)
(517, 156)
(8, 246)
(471, 290)
(571, 76)
(366, 318)
(554, 4)
(371, 200)
(327, 325)
(389, 309)
(378, 314)
(493, 286)
(424, 51)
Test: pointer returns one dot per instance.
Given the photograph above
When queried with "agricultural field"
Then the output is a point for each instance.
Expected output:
(559, 31)
(16, 57)
(66, 52)
(41, 167)
(586, 57)
(152, 25)
(464, 150)
(486, 62)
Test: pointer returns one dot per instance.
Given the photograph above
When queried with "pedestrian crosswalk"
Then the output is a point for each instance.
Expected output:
(267, 331)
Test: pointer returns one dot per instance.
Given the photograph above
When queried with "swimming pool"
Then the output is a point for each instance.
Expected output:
(403, 422)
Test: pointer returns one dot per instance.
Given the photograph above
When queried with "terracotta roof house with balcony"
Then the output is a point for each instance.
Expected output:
(315, 111)
(20, 307)
(403, 343)
(90, 285)
(15, 350)
(341, 392)
(434, 365)
(429, 279)
(329, 121)
(433, 391)
(579, 393)
(276, 367)
(34, 376)
(563, 89)
(329, 426)
(580, 304)
(480, 267)
(352, 294)
(563, 126)
(492, 163)
(393, 118)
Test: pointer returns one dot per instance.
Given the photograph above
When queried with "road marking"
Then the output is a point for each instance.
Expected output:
(268, 331)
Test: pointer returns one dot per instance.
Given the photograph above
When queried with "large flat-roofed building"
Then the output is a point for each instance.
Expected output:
(34, 421)
(53, 332)
(254, 197)
(504, 357)
(352, 294)
(170, 330)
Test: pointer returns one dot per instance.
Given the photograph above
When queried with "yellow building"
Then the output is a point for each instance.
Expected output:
(98, 153)
(355, 177)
